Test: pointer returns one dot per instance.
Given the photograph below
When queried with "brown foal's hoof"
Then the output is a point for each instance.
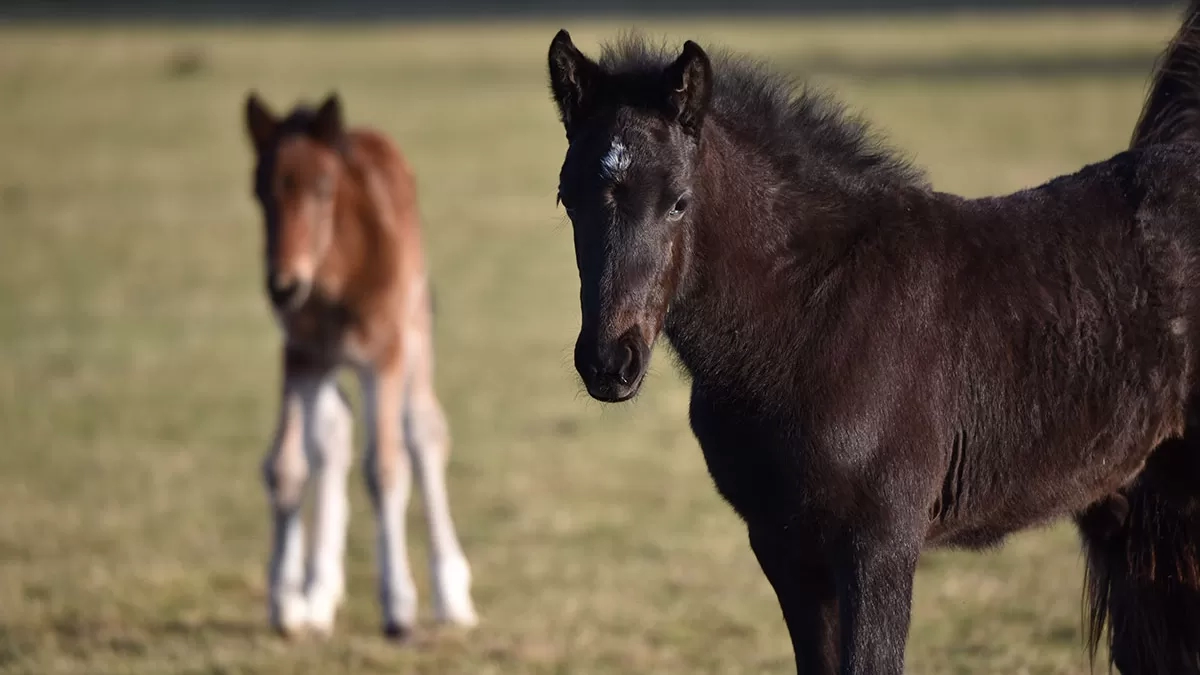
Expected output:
(398, 634)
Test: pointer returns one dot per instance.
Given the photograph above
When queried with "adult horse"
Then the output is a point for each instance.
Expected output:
(878, 367)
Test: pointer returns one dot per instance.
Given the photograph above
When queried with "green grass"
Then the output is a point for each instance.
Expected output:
(138, 361)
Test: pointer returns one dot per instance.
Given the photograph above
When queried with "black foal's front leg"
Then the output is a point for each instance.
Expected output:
(807, 592)
(875, 580)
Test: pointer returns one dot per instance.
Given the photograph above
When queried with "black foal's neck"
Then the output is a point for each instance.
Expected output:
(734, 243)
(769, 253)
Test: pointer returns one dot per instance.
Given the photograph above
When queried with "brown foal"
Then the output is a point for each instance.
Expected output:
(347, 281)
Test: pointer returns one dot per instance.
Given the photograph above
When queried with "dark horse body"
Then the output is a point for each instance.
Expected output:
(878, 367)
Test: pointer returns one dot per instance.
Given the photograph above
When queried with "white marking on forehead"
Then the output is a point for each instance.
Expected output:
(617, 161)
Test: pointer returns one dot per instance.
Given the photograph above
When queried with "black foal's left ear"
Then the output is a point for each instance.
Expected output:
(327, 125)
(574, 80)
(689, 87)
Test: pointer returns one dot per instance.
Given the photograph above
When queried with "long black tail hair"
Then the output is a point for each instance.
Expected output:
(1142, 591)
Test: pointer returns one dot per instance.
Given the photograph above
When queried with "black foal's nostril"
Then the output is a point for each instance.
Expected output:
(626, 371)
(631, 363)
(611, 369)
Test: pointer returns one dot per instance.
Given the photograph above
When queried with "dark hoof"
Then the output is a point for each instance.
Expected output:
(398, 634)
(290, 634)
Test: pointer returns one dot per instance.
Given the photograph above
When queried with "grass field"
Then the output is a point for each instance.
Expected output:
(138, 369)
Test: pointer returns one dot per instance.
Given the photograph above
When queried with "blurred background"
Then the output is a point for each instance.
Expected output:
(138, 358)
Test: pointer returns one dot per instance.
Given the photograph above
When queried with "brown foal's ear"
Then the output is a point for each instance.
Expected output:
(689, 87)
(260, 122)
(574, 80)
(327, 126)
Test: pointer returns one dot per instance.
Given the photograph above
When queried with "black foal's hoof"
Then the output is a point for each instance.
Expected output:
(398, 634)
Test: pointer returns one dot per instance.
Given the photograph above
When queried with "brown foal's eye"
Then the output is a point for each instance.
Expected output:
(286, 184)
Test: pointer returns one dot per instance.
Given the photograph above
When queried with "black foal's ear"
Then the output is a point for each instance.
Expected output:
(327, 125)
(260, 122)
(574, 79)
(689, 87)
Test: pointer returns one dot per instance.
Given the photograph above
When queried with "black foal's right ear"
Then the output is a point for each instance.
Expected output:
(689, 83)
(260, 122)
(574, 79)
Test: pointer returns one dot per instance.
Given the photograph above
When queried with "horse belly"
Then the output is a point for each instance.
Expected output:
(1065, 405)
(1074, 467)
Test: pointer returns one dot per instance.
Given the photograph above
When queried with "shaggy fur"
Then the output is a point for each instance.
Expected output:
(878, 367)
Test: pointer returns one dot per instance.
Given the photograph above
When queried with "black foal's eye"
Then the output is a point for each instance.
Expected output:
(679, 208)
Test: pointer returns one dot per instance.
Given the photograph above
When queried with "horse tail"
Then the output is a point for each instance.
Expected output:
(1142, 543)
(1143, 567)
(1172, 110)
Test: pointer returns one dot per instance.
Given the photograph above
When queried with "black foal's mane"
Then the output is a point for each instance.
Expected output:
(797, 127)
